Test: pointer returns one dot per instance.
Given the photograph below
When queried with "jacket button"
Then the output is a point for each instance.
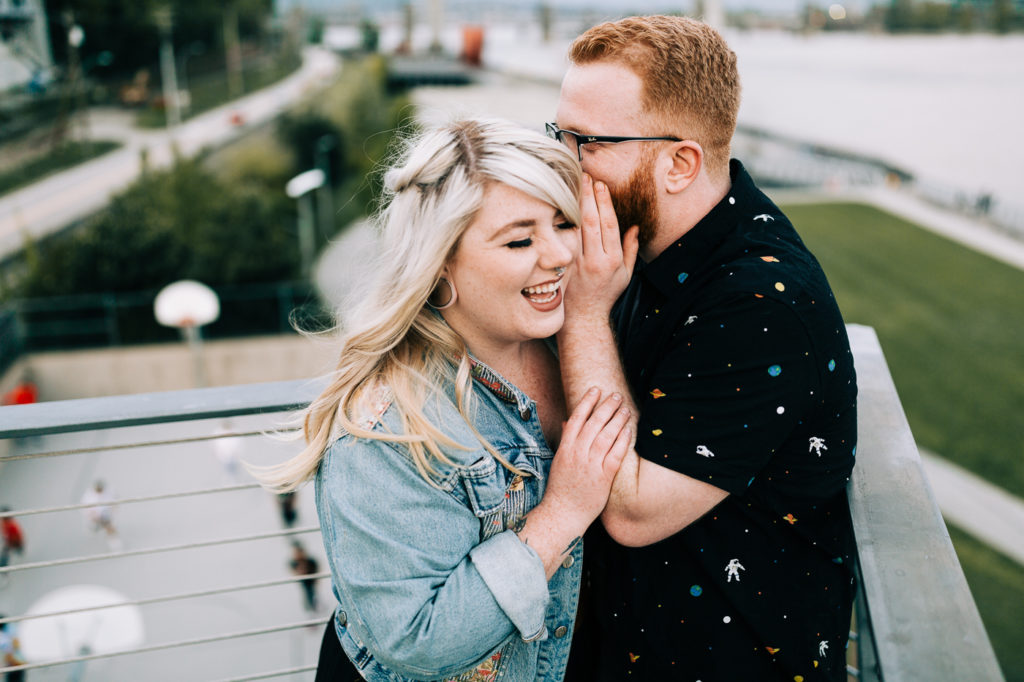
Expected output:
(525, 413)
(560, 631)
(342, 618)
(568, 561)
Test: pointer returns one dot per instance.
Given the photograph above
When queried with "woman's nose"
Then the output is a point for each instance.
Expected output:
(557, 252)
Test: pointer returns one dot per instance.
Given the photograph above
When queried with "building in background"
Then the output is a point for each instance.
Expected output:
(25, 55)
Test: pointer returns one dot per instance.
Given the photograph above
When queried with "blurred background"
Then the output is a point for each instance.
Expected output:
(236, 144)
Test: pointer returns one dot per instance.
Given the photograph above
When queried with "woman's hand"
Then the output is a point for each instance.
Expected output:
(605, 264)
(594, 442)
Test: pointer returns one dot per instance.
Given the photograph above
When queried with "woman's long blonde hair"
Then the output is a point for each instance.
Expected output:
(391, 339)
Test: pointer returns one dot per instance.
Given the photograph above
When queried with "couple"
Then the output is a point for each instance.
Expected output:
(702, 404)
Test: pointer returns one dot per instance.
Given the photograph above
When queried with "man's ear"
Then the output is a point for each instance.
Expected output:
(687, 158)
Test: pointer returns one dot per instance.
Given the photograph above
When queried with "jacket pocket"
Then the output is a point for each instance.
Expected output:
(497, 496)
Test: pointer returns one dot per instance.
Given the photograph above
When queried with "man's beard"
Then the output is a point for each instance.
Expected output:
(636, 202)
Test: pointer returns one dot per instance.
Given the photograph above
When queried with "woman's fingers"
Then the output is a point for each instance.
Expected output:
(590, 228)
(607, 435)
(613, 460)
(604, 411)
(580, 414)
(630, 247)
(610, 237)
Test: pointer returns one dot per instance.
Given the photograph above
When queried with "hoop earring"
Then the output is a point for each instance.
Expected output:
(451, 298)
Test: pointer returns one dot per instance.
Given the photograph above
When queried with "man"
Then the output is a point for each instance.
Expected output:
(727, 546)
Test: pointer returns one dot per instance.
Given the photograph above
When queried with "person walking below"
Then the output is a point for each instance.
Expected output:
(13, 537)
(101, 513)
(10, 652)
(303, 564)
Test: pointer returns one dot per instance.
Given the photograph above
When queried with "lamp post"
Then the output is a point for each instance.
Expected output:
(325, 202)
(172, 106)
(185, 95)
(188, 305)
(299, 188)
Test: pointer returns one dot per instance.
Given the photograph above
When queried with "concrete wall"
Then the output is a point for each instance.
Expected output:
(167, 367)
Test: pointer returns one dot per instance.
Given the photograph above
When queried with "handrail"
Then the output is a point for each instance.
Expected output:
(915, 617)
(916, 606)
(87, 414)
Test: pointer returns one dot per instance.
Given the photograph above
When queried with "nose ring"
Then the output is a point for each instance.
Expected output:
(560, 271)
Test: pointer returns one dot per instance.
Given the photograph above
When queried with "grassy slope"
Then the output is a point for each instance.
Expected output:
(997, 584)
(951, 324)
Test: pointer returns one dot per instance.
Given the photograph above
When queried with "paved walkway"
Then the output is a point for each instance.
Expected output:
(61, 199)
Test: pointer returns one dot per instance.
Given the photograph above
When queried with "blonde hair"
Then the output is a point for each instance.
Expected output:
(391, 340)
(689, 75)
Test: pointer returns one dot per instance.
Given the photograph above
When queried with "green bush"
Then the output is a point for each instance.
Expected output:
(181, 223)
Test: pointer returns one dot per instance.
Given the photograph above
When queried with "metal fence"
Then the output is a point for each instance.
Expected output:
(239, 618)
(114, 319)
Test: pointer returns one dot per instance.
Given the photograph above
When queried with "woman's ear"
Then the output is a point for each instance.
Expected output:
(686, 160)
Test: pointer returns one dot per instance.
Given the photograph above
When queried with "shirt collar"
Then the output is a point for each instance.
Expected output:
(688, 254)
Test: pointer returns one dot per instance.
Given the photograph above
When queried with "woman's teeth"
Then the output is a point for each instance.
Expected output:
(545, 293)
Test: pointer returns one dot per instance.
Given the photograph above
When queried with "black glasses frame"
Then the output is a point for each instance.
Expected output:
(580, 139)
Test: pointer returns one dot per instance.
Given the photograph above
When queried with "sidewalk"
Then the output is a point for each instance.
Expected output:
(61, 199)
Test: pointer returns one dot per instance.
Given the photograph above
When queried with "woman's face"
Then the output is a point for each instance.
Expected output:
(508, 271)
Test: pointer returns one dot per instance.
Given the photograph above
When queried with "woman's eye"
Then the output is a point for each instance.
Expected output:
(520, 243)
(566, 226)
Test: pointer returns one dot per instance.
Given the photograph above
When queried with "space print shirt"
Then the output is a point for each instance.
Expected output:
(737, 354)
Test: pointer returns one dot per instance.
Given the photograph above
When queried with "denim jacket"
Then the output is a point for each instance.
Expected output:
(431, 582)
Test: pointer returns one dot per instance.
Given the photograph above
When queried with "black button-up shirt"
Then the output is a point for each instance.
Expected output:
(737, 355)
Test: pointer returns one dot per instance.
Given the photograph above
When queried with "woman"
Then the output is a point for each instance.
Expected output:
(433, 445)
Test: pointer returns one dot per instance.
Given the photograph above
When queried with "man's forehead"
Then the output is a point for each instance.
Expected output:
(599, 98)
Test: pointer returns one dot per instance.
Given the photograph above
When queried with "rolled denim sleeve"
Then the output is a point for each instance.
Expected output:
(409, 567)
(515, 575)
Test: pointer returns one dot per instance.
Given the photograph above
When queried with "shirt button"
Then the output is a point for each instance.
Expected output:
(568, 561)
(342, 618)
(560, 631)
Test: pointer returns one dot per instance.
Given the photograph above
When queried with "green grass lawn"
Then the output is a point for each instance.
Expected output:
(951, 325)
(997, 584)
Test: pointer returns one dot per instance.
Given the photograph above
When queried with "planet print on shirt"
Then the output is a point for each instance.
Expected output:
(775, 370)
(696, 590)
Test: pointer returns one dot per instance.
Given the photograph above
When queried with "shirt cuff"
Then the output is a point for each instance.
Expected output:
(514, 573)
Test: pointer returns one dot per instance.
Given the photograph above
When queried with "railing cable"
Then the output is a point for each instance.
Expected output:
(167, 645)
(143, 444)
(158, 550)
(129, 500)
(170, 597)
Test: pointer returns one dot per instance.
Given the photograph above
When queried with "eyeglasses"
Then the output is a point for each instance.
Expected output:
(575, 141)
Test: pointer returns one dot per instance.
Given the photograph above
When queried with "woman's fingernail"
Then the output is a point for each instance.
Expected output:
(616, 397)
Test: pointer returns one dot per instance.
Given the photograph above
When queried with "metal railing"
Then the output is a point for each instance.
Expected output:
(915, 618)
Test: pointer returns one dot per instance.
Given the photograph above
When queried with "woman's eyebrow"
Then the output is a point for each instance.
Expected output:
(525, 222)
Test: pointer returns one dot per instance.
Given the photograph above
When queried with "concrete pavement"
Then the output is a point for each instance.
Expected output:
(60, 199)
(154, 470)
